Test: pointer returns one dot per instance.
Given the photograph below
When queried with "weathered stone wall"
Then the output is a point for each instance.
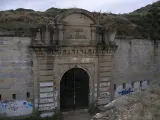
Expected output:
(135, 62)
(133, 65)
(15, 74)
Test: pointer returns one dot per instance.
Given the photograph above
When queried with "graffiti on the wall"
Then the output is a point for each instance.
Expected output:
(104, 94)
(126, 91)
(15, 108)
(120, 90)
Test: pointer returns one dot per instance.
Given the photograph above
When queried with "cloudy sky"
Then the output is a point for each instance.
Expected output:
(114, 6)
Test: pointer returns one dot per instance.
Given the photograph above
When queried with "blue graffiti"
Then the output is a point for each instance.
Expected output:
(125, 92)
(24, 103)
(27, 104)
(30, 105)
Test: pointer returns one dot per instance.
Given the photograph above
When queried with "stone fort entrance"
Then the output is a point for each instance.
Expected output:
(74, 89)
(72, 62)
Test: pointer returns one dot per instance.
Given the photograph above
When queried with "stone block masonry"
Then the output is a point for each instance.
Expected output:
(32, 71)
(15, 76)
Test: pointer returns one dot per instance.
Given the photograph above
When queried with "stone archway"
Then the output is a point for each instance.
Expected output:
(74, 89)
(61, 16)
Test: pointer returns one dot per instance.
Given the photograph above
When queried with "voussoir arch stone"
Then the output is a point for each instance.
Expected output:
(61, 16)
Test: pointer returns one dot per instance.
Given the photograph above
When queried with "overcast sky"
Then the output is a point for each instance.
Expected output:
(114, 6)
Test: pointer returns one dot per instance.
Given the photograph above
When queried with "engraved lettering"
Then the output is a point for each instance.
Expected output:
(78, 33)
(77, 30)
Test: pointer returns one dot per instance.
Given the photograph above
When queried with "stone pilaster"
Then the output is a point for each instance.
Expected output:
(106, 37)
(47, 36)
(105, 74)
(94, 38)
(55, 35)
(38, 37)
(112, 35)
(61, 33)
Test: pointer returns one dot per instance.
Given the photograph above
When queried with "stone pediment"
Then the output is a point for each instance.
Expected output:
(61, 16)
(76, 27)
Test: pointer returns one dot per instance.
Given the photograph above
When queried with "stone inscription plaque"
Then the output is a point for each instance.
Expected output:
(77, 33)
(77, 28)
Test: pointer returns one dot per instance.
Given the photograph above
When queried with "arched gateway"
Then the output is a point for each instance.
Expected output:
(74, 89)
(72, 62)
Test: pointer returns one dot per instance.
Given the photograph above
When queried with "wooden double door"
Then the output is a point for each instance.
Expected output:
(74, 89)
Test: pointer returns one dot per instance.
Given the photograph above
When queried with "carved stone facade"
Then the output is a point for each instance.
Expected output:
(32, 69)
(71, 40)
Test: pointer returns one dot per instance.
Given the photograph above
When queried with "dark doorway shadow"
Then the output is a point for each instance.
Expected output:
(74, 90)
